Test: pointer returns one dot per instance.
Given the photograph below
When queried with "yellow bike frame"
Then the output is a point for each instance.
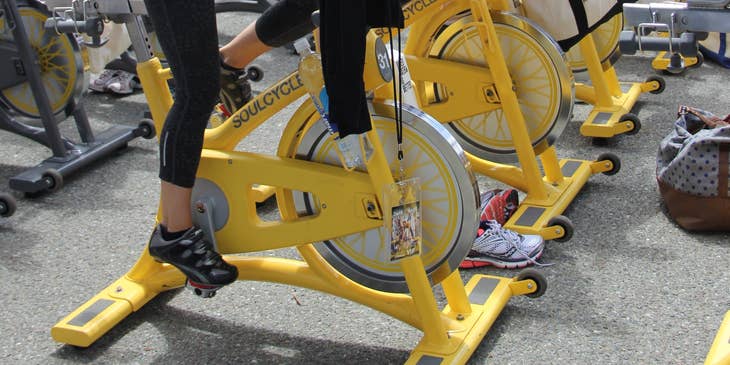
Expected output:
(719, 353)
(612, 102)
(449, 335)
(548, 194)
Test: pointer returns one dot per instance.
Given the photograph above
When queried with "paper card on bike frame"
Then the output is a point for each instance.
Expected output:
(402, 204)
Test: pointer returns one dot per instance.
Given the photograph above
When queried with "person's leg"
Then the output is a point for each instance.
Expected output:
(176, 199)
(190, 44)
(280, 24)
(235, 89)
(244, 48)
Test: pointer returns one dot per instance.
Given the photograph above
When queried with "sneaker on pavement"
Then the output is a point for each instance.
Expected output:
(502, 248)
(498, 205)
(100, 83)
(123, 83)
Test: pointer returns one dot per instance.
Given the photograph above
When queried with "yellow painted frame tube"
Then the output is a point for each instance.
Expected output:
(338, 193)
(719, 353)
(154, 82)
(503, 82)
(452, 75)
(603, 91)
(226, 136)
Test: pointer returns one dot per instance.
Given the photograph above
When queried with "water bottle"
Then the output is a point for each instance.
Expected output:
(310, 71)
(403, 73)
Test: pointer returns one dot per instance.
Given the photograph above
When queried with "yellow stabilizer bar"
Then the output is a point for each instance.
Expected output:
(97, 316)
(487, 295)
(720, 351)
(102, 312)
(605, 120)
(611, 100)
(555, 191)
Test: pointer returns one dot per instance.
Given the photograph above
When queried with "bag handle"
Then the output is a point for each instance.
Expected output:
(710, 120)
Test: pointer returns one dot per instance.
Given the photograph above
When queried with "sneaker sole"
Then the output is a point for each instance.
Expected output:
(469, 264)
(475, 262)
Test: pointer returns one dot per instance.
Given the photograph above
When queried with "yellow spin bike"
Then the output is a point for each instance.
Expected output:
(611, 99)
(503, 89)
(334, 217)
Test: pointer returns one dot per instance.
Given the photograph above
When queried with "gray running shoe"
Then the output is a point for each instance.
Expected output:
(505, 249)
(100, 83)
(123, 83)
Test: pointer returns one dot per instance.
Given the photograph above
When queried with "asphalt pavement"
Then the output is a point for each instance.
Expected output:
(630, 287)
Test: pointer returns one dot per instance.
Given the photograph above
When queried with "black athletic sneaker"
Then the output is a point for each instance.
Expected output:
(235, 89)
(194, 256)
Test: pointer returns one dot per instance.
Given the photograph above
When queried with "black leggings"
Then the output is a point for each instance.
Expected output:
(343, 30)
(187, 33)
(286, 21)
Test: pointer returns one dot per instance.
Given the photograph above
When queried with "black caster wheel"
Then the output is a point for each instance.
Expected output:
(146, 129)
(53, 180)
(633, 118)
(700, 60)
(615, 161)
(538, 278)
(567, 226)
(7, 205)
(660, 81)
(254, 73)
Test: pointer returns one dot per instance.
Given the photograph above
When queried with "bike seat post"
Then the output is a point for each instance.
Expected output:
(152, 76)
(139, 37)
